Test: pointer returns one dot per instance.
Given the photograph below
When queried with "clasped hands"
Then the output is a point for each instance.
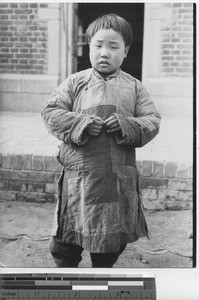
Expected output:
(96, 126)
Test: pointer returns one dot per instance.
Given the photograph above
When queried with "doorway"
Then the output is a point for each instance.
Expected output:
(133, 13)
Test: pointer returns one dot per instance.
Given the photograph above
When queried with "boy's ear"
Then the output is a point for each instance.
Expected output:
(127, 50)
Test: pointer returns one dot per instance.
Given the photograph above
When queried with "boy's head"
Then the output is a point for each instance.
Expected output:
(110, 38)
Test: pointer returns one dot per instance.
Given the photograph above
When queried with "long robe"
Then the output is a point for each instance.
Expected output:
(99, 202)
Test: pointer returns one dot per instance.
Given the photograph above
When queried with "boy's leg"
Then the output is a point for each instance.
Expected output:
(106, 260)
(65, 255)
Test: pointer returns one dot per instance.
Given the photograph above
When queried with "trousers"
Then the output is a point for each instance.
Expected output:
(69, 255)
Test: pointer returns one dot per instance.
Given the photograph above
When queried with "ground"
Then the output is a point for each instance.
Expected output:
(25, 236)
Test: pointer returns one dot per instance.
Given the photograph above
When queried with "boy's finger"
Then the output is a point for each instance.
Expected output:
(94, 132)
(115, 125)
(97, 126)
(110, 119)
(98, 120)
(112, 123)
(113, 129)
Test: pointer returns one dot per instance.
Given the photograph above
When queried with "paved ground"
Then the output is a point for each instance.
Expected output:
(25, 235)
(26, 133)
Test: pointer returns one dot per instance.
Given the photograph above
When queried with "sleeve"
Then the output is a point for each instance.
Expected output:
(141, 128)
(61, 121)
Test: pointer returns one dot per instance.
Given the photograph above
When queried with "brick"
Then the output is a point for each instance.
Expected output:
(36, 197)
(23, 61)
(23, 39)
(153, 183)
(24, 50)
(6, 11)
(167, 58)
(43, 5)
(153, 205)
(3, 60)
(4, 185)
(166, 52)
(37, 163)
(33, 50)
(51, 188)
(180, 184)
(24, 5)
(168, 46)
(168, 194)
(4, 5)
(147, 168)
(28, 45)
(185, 196)
(3, 17)
(182, 173)
(4, 50)
(177, 205)
(27, 162)
(7, 161)
(8, 195)
(4, 39)
(24, 55)
(158, 169)
(50, 164)
(17, 162)
(13, 5)
(174, 64)
(27, 176)
(14, 39)
(23, 17)
(23, 11)
(33, 39)
(33, 5)
(167, 70)
(170, 170)
(14, 17)
(177, 4)
(17, 186)
(150, 194)
(36, 187)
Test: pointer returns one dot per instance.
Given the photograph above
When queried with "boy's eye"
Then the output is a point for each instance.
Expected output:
(113, 47)
(98, 46)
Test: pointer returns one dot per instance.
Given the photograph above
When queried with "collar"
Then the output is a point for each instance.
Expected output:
(97, 74)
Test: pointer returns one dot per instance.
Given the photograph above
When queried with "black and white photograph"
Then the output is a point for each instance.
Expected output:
(97, 157)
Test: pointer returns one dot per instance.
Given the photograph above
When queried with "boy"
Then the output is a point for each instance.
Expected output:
(101, 114)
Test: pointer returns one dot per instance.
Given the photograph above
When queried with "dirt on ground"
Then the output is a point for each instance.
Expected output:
(25, 236)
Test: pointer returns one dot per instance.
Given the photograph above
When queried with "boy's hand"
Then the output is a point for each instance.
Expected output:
(112, 124)
(95, 127)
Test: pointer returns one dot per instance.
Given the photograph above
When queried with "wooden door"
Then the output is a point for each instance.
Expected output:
(68, 37)
(72, 37)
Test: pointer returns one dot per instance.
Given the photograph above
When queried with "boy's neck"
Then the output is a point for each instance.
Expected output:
(105, 75)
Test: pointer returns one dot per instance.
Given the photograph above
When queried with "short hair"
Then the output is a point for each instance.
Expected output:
(111, 21)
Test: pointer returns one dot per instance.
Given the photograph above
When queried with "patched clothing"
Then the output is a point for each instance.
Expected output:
(99, 203)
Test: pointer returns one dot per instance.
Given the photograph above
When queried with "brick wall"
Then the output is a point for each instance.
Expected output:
(177, 41)
(33, 178)
(23, 39)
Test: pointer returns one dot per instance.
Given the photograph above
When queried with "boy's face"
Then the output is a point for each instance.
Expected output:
(107, 51)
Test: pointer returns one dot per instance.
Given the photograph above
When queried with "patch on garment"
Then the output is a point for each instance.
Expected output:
(100, 187)
(75, 206)
(102, 111)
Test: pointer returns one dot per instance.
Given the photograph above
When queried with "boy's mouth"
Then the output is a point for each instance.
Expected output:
(103, 62)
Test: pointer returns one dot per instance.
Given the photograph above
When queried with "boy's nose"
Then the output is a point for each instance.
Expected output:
(104, 53)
